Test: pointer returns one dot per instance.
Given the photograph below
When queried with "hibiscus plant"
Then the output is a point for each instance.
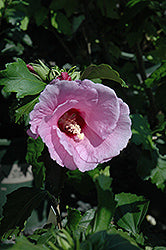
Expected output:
(75, 125)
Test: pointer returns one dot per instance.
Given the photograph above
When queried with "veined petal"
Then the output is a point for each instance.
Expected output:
(82, 123)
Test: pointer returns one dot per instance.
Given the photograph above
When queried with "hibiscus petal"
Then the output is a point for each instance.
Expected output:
(92, 149)
(68, 143)
(56, 150)
(104, 115)
(114, 143)
(121, 134)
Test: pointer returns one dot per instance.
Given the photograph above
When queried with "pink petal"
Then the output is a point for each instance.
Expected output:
(104, 114)
(56, 150)
(93, 149)
(68, 143)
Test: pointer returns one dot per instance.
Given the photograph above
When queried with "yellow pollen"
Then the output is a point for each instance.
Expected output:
(68, 124)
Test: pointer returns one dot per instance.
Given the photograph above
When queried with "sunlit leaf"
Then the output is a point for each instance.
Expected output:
(24, 23)
(17, 78)
(102, 71)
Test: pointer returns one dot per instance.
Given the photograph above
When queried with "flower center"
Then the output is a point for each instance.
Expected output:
(71, 123)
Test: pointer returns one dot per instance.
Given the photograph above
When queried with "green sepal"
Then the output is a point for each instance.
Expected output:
(41, 70)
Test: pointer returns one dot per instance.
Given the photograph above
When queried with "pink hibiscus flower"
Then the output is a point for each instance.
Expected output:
(82, 123)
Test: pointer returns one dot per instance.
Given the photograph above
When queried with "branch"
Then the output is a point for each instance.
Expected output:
(148, 91)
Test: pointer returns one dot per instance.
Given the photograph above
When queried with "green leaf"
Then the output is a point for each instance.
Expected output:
(19, 206)
(82, 182)
(155, 168)
(17, 78)
(159, 248)
(25, 110)
(77, 223)
(1, 4)
(114, 50)
(123, 234)
(104, 182)
(85, 221)
(23, 244)
(77, 22)
(106, 201)
(54, 238)
(108, 8)
(156, 76)
(158, 174)
(141, 133)
(24, 23)
(64, 24)
(57, 4)
(41, 15)
(131, 3)
(42, 236)
(54, 21)
(105, 241)
(74, 216)
(34, 150)
(130, 212)
(11, 47)
(102, 71)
